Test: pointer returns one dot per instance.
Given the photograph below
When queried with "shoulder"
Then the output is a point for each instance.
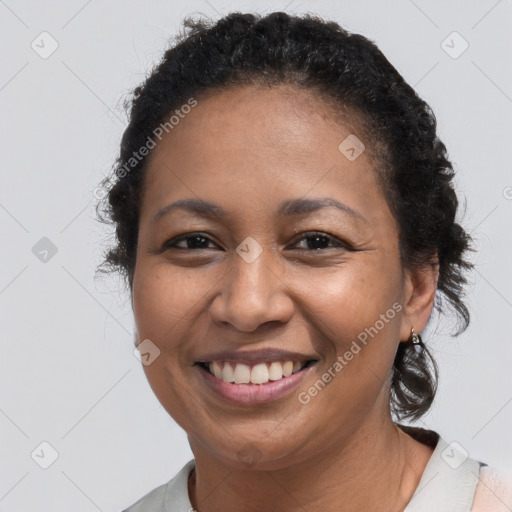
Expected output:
(450, 478)
(153, 500)
(453, 481)
(171, 494)
(493, 492)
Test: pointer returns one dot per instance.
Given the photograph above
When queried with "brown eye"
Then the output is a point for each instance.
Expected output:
(319, 241)
(315, 241)
(192, 241)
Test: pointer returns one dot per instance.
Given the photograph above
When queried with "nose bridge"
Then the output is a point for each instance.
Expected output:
(252, 268)
(252, 276)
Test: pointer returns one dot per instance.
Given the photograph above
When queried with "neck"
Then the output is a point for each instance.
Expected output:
(377, 467)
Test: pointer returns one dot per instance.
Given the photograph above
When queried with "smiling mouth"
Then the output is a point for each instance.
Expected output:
(259, 373)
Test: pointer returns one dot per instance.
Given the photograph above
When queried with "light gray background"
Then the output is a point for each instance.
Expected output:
(68, 373)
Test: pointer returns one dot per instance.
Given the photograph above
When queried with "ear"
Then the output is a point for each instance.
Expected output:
(419, 294)
(135, 337)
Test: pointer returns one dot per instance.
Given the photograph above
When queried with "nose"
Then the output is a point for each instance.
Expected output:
(252, 294)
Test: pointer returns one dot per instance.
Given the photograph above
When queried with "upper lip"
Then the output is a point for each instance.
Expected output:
(254, 356)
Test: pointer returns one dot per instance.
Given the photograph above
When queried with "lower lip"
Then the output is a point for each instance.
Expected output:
(252, 394)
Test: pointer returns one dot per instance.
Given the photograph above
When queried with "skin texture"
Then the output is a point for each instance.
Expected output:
(247, 150)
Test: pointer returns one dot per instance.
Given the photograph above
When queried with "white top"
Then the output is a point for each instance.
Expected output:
(448, 483)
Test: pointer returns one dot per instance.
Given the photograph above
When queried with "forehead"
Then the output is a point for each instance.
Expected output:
(244, 118)
(262, 140)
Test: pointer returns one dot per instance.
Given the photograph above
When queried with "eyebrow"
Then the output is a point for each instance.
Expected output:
(286, 209)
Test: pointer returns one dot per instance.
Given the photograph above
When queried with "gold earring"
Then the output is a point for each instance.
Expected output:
(416, 338)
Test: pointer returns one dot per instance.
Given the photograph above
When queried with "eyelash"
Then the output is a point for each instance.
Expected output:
(310, 234)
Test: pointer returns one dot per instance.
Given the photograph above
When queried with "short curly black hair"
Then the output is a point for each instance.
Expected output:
(351, 74)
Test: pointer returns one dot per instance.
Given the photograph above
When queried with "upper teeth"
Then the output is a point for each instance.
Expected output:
(260, 373)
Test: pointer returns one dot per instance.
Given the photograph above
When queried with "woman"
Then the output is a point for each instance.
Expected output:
(285, 219)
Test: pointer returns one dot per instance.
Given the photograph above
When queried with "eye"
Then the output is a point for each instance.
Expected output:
(319, 239)
(198, 241)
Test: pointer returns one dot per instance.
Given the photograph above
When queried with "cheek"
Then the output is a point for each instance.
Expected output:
(163, 295)
(360, 316)
(162, 299)
(354, 296)
(358, 310)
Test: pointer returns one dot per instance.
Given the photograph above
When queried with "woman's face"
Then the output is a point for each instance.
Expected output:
(255, 277)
